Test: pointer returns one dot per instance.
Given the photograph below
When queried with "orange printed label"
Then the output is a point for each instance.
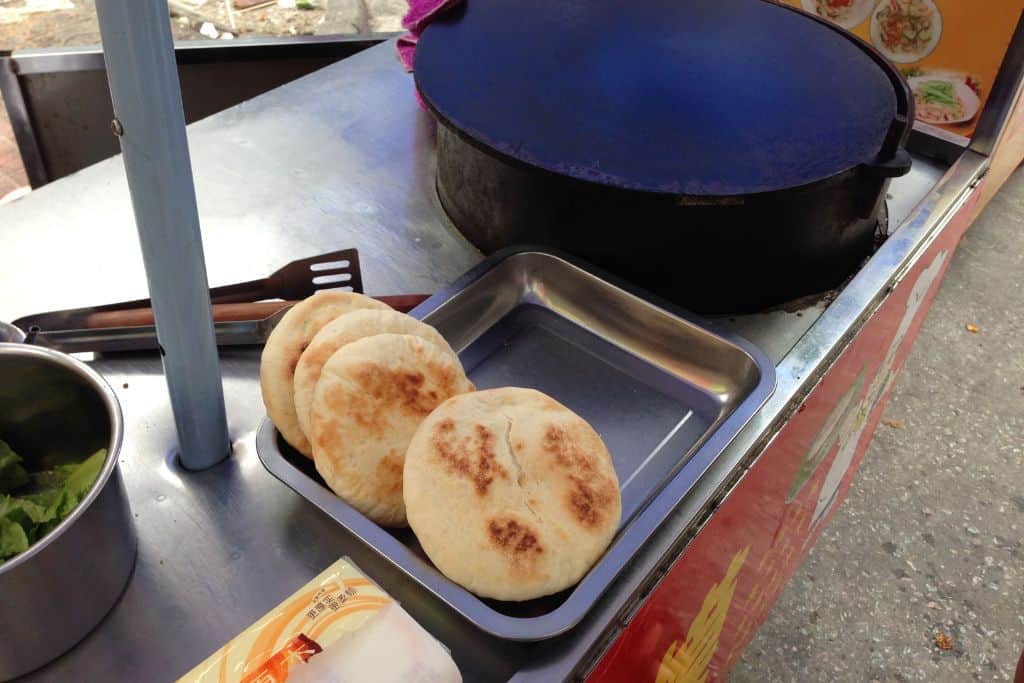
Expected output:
(275, 670)
(336, 603)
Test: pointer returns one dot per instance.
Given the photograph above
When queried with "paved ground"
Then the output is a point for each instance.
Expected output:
(12, 175)
(929, 540)
(68, 27)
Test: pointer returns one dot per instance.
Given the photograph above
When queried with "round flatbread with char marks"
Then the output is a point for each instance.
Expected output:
(511, 494)
(372, 395)
(285, 345)
(346, 329)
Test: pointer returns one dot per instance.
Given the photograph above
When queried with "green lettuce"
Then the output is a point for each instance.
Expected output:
(12, 473)
(42, 500)
(12, 539)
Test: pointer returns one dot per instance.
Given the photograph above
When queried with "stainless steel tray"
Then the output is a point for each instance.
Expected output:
(665, 390)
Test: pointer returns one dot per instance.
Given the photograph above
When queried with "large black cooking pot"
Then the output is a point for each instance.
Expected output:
(726, 154)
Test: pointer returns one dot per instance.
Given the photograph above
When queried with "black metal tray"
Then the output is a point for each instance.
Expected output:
(666, 391)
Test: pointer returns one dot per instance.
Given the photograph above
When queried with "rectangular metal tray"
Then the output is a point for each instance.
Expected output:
(666, 391)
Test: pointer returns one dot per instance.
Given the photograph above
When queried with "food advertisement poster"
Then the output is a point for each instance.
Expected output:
(949, 50)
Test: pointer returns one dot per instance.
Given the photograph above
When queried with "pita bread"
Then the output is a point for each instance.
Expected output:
(372, 395)
(286, 343)
(510, 493)
(344, 330)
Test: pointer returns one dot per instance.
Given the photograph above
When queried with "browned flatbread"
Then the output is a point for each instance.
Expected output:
(372, 395)
(510, 493)
(286, 343)
(346, 329)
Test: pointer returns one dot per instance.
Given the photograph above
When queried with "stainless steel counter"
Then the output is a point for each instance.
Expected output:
(342, 157)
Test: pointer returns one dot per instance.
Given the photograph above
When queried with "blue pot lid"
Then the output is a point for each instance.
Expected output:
(697, 97)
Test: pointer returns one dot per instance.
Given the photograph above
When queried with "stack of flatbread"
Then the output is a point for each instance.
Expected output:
(511, 494)
(347, 380)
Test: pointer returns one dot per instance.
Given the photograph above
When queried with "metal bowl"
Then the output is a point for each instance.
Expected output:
(55, 409)
(10, 333)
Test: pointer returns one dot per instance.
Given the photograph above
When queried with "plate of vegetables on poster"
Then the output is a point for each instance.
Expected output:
(843, 13)
(906, 30)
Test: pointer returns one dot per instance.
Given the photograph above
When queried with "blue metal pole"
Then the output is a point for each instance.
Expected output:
(150, 122)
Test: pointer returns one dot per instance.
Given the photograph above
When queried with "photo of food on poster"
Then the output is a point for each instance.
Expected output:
(949, 51)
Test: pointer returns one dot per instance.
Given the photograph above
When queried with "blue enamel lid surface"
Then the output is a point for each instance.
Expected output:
(699, 97)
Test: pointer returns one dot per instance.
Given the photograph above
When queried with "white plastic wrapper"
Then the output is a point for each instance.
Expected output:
(390, 648)
(338, 627)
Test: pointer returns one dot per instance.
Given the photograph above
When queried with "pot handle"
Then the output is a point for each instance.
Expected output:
(883, 168)
(892, 166)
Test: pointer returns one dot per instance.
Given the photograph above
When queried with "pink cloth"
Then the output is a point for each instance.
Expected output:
(421, 13)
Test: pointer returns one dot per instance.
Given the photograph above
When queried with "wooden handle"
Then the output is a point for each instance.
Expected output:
(138, 317)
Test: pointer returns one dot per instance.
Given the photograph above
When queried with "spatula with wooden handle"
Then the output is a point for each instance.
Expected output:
(297, 280)
(245, 324)
(232, 312)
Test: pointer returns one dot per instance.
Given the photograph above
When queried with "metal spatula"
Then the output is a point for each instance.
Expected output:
(297, 280)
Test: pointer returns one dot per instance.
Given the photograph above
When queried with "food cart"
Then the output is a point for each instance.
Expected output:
(345, 157)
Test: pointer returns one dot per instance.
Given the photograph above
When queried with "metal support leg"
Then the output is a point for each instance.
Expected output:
(150, 122)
